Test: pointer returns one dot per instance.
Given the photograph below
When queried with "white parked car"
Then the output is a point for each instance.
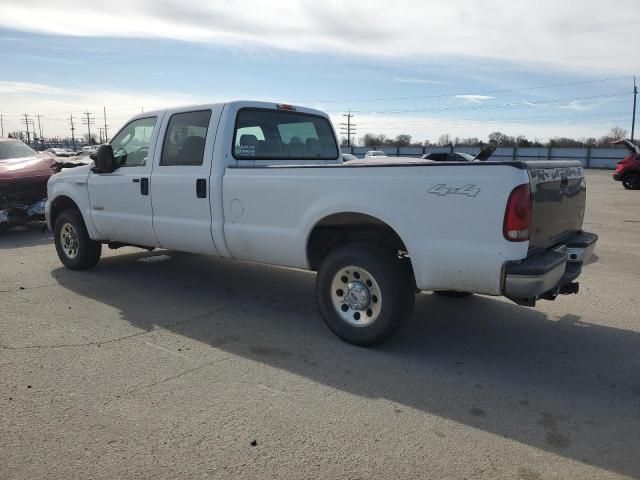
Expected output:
(266, 183)
(375, 154)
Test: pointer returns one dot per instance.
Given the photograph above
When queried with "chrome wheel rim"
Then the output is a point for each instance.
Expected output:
(69, 240)
(356, 296)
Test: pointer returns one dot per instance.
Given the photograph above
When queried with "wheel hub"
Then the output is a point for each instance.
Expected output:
(357, 295)
(69, 240)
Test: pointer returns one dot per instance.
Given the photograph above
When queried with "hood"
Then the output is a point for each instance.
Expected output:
(485, 154)
(26, 168)
(632, 147)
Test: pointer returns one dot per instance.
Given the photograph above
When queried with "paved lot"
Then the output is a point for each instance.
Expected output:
(172, 368)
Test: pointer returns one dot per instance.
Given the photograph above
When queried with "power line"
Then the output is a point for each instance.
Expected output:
(106, 135)
(73, 129)
(88, 121)
(39, 126)
(633, 120)
(349, 127)
(494, 105)
(28, 122)
(485, 92)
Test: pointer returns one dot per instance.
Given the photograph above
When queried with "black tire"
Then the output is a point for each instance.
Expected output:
(452, 293)
(631, 181)
(87, 251)
(393, 280)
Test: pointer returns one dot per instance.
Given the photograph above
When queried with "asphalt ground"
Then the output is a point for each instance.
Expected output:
(169, 365)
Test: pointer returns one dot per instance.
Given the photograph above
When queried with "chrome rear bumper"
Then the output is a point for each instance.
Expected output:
(550, 273)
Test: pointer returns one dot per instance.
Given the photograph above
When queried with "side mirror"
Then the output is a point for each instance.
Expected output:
(105, 162)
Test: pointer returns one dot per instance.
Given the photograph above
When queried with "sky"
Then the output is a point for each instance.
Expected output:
(463, 67)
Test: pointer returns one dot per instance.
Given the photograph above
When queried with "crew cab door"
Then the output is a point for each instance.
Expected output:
(180, 184)
(120, 201)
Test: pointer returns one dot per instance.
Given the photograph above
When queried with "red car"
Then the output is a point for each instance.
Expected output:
(628, 170)
(23, 181)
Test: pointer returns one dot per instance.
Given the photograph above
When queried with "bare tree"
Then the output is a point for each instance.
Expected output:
(444, 140)
(618, 133)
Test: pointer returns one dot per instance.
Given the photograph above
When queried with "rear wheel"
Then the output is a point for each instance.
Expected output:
(364, 293)
(75, 248)
(631, 181)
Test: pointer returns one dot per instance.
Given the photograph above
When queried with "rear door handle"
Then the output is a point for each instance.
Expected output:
(201, 188)
(144, 186)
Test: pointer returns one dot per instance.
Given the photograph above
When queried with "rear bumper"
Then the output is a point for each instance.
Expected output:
(549, 273)
(617, 177)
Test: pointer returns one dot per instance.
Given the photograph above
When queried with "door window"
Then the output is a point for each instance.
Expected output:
(131, 144)
(185, 138)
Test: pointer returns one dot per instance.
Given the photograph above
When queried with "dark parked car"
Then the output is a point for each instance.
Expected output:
(628, 170)
(484, 154)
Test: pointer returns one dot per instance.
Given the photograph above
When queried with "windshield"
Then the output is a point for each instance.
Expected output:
(466, 156)
(15, 149)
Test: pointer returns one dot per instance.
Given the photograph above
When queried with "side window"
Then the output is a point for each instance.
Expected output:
(265, 134)
(185, 138)
(131, 144)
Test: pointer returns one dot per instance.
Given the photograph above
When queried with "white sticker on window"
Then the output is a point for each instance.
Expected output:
(247, 150)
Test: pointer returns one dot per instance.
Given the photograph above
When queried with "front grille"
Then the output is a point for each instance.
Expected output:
(19, 193)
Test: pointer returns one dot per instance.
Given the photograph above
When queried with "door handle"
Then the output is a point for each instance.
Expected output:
(144, 186)
(136, 180)
(201, 188)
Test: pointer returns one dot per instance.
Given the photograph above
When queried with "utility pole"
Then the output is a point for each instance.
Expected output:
(73, 129)
(635, 95)
(348, 128)
(100, 129)
(39, 127)
(88, 122)
(106, 135)
(1, 126)
(27, 121)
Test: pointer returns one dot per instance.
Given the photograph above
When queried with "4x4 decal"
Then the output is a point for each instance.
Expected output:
(442, 189)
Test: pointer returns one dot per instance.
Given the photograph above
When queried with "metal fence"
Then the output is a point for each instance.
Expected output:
(605, 158)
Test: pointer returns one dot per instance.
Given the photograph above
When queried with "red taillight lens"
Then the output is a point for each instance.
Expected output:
(517, 216)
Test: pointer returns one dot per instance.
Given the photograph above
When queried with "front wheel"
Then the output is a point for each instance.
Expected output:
(364, 293)
(631, 181)
(75, 248)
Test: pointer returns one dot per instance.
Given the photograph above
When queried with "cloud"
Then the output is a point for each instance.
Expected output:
(26, 88)
(576, 105)
(56, 104)
(474, 98)
(595, 36)
(420, 80)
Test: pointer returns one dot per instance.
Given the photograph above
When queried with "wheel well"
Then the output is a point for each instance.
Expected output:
(345, 228)
(59, 205)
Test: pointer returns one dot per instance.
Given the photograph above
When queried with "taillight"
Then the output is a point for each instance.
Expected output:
(517, 216)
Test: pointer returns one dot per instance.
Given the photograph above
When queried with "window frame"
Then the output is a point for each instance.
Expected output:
(150, 139)
(166, 132)
(287, 112)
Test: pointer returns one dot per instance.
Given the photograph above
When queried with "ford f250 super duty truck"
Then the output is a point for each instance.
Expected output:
(265, 182)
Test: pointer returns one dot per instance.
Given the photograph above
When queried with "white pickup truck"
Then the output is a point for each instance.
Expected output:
(265, 182)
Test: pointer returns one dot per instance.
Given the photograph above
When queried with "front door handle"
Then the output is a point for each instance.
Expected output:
(201, 188)
(144, 186)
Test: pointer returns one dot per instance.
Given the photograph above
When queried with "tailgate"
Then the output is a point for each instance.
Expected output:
(558, 195)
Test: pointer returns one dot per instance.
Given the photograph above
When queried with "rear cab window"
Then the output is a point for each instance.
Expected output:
(266, 134)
